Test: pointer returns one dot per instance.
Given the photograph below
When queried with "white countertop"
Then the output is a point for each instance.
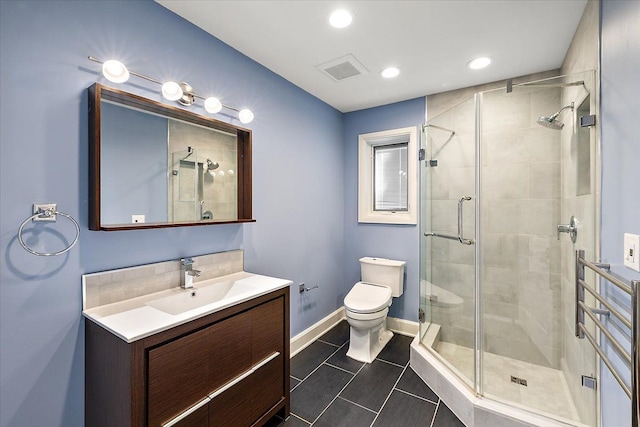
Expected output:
(135, 318)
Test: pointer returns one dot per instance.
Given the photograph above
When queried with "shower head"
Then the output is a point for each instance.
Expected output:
(553, 122)
(212, 165)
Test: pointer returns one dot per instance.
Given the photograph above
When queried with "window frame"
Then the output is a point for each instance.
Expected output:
(366, 144)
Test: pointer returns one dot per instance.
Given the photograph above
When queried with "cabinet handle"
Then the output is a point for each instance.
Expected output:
(186, 413)
(219, 391)
(242, 376)
(265, 361)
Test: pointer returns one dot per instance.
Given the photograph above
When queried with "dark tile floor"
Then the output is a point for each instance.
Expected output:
(328, 389)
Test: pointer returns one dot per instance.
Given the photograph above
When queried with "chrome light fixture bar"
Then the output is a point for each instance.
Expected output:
(116, 72)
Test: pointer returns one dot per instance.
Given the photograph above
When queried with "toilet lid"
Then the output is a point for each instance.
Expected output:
(367, 298)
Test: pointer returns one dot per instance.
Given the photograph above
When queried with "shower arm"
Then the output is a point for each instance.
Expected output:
(555, 116)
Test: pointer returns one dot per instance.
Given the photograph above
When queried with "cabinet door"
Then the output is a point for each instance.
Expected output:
(230, 353)
(267, 338)
(178, 376)
(267, 329)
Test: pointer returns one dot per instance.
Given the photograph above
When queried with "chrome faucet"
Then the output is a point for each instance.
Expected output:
(187, 273)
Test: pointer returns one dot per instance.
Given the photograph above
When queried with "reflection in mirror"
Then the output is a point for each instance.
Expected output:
(153, 165)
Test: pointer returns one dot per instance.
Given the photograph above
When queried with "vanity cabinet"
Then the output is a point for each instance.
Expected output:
(229, 368)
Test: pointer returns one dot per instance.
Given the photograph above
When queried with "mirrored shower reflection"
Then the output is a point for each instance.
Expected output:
(524, 180)
(202, 179)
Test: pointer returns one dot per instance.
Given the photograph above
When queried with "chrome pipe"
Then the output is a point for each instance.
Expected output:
(597, 267)
(453, 132)
(603, 329)
(635, 353)
(609, 307)
(579, 294)
(605, 360)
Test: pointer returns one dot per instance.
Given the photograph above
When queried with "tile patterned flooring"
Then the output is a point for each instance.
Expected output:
(546, 389)
(328, 389)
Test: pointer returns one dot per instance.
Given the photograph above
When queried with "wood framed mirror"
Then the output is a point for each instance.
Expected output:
(152, 165)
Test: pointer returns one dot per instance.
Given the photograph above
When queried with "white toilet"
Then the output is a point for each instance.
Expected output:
(367, 305)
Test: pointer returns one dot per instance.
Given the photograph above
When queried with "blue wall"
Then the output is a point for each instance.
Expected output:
(139, 186)
(297, 169)
(620, 109)
(399, 242)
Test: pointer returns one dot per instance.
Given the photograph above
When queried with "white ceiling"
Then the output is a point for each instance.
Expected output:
(431, 41)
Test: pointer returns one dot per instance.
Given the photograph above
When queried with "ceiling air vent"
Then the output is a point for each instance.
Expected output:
(342, 68)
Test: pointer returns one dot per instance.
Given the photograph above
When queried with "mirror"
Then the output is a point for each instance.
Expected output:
(153, 165)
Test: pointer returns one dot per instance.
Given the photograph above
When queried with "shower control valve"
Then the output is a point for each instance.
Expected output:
(571, 229)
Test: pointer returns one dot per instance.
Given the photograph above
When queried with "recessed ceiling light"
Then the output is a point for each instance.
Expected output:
(340, 18)
(479, 63)
(390, 72)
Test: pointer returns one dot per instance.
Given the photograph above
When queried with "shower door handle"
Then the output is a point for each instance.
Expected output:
(460, 238)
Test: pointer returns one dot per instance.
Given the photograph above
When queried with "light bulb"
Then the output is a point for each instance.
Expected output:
(171, 91)
(245, 115)
(389, 73)
(221, 173)
(340, 18)
(212, 105)
(115, 71)
(479, 63)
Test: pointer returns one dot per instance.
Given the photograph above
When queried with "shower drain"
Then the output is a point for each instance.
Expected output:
(518, 381)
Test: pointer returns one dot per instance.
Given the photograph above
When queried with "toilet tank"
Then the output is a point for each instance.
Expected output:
(382, 271)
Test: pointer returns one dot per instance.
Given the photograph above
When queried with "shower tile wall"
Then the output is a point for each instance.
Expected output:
(219, 191)
(521, 188)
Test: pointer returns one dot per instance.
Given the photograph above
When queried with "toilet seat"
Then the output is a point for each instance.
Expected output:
(367, 298)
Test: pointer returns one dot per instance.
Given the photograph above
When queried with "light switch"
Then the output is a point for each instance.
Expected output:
(631, 248)
(135, 219)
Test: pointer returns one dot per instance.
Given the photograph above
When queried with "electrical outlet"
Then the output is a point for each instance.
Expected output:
(137, 219)
(631, 248)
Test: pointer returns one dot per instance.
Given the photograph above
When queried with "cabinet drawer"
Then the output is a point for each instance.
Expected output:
(268, 386)
(183, 371)
(232, 408)
(177, 377)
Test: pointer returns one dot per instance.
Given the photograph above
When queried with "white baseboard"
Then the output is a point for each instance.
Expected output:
(313, 332)
(403, 327)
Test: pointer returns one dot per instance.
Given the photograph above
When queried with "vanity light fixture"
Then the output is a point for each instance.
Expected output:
(479, 63)
(116, 72)
(340, 18)
(390, 72)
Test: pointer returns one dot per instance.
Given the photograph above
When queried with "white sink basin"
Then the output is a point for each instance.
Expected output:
(190, 299)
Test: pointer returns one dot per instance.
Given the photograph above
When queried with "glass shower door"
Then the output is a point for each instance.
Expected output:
(448, 238)
(530, 355)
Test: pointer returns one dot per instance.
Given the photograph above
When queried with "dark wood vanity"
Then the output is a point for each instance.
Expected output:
(229, 368)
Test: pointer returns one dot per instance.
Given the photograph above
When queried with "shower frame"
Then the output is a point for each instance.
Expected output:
(478, 322)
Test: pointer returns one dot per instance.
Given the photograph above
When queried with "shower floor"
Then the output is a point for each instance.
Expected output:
(546, 388)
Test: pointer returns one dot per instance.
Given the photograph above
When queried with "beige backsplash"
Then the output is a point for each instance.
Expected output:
(111, 286)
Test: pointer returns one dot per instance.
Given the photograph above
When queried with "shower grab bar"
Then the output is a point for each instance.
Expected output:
(631, 359)
(459, 237)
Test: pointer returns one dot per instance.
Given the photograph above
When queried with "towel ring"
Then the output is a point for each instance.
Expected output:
(48, 215)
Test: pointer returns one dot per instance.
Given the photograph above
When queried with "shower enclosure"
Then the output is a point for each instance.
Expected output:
(504, 172)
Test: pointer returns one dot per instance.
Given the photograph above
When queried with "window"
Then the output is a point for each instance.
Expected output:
(387, 190)
(390, 177)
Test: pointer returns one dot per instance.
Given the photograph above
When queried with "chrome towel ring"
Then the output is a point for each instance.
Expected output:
(47, 212)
